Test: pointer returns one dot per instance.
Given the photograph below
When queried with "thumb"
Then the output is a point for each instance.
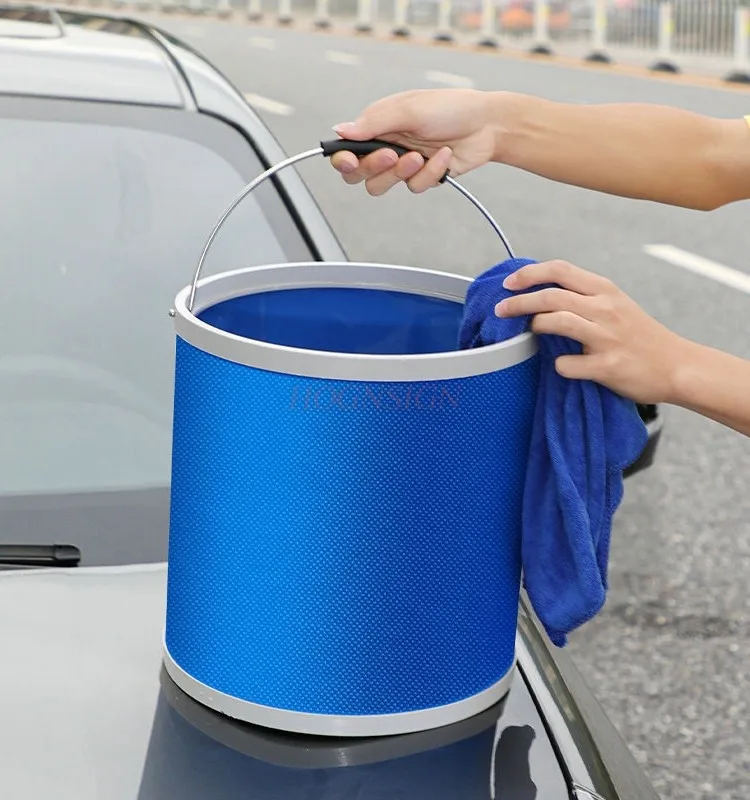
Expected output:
(387, 116)
(353, 130)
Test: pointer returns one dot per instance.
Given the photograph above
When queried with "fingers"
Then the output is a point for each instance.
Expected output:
(355, 170)
(566, 323)
(405, 168)
(581, 368)
(545, 301)
(561, 273)
(383, 169)
(433, 171)
(347, 162)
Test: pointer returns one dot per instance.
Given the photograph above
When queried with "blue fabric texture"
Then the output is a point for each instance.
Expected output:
(332, 548)
(583, 437)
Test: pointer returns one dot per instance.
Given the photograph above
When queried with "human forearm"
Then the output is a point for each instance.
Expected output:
(633, 150)
(624, 348)
(714, 384)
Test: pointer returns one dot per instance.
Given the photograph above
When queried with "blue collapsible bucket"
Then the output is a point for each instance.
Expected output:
(344, 551)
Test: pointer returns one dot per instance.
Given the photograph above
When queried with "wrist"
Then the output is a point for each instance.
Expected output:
(526, 129)
(684, 373)
(508, 118)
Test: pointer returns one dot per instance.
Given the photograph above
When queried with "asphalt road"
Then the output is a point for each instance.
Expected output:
(670, 655)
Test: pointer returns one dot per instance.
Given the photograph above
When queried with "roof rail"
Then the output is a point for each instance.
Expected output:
(33, 12)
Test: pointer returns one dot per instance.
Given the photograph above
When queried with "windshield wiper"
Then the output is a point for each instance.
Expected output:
(39, 555)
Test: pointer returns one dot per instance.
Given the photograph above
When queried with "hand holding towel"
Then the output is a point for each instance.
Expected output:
(583, 437)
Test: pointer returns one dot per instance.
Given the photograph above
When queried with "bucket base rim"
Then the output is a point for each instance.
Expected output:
(337, 725)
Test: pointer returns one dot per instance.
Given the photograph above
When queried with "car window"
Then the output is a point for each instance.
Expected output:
(102, 224)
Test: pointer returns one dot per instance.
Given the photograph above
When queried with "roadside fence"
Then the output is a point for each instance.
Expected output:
(664, 35)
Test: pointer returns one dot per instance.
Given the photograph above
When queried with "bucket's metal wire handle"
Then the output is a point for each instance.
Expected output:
(327, 149)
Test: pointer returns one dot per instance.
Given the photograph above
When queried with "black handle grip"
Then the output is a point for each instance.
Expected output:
(362, 149)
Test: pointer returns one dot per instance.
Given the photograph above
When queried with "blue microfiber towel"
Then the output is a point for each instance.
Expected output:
(583, 437)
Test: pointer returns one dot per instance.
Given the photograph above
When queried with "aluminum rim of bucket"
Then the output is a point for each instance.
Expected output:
(298, 275)
(276, 747)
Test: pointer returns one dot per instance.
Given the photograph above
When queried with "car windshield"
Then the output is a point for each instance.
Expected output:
(103, 222)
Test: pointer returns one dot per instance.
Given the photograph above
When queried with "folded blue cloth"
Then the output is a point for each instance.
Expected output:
(583, 437)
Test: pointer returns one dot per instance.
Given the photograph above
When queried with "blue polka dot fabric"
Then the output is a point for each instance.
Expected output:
(334, 547)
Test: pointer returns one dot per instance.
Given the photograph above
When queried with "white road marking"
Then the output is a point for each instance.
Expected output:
(266, 104)
(262, 42)
(337, 57)
(700, 266)
(449, 79)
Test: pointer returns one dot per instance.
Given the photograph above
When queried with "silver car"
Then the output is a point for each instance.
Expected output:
(120, 149)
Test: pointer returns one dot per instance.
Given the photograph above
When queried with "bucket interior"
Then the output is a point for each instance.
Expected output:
(365, 321)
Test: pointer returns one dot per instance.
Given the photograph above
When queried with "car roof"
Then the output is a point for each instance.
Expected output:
(58, 53)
